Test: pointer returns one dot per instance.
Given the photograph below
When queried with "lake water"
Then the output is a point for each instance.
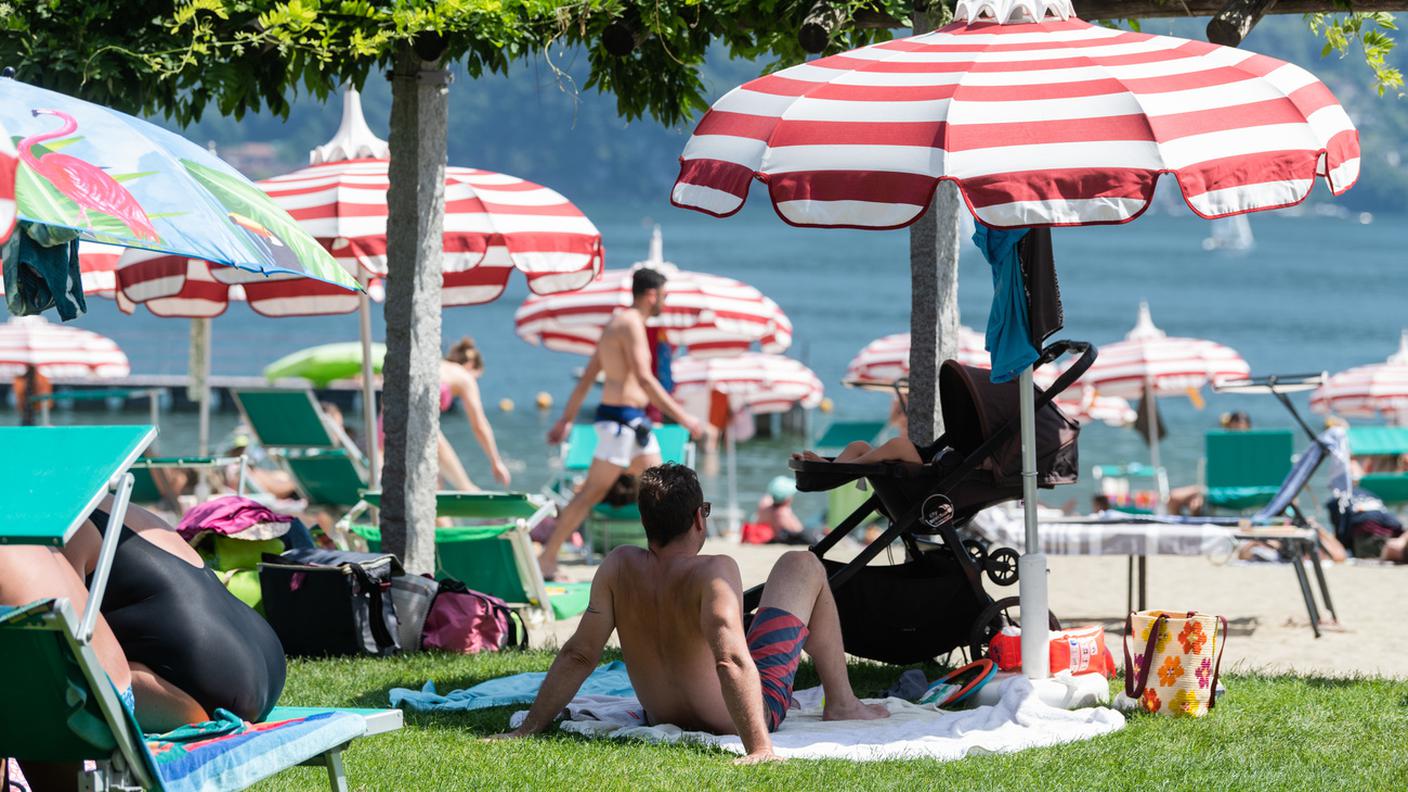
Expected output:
(1316, 293)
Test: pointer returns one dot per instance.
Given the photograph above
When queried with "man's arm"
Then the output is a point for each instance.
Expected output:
(577, 658)
(574, 402)
(639, 361)
(721, 620)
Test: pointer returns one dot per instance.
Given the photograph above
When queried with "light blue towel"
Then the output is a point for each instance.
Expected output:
(607, 680)
(1009, 337)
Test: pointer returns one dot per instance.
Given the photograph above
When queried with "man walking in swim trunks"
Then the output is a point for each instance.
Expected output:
(624, 442)
(679, 617)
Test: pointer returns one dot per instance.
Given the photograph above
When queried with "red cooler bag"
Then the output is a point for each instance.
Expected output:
(1080, 650)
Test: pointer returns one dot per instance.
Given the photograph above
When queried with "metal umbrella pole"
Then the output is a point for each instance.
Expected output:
(371, 443)
(1031, 567)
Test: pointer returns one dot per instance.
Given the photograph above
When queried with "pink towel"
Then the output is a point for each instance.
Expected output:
(229, 515)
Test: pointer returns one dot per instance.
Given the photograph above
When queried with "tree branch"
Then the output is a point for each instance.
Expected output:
(818, 25)
(1236, 20)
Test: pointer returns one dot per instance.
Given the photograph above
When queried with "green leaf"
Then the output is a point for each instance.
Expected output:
(126, 177)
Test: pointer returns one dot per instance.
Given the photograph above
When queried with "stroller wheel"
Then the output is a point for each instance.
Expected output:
(1002, 566)
(976, 551)
(1005, 612)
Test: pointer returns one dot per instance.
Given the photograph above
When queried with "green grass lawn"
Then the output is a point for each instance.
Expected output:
(1267, 733)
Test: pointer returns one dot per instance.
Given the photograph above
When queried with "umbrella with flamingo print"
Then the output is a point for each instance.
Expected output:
(1038, 119)
(114, 178)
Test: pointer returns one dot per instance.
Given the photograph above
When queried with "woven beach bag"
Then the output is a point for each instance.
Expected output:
(1178, 657)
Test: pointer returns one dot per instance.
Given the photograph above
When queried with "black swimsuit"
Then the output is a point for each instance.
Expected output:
(179, 621)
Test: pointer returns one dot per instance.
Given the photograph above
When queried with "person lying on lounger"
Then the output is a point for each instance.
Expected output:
(191, 646)
(679, 618)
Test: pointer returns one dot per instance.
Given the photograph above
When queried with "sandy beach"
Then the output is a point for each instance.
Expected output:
(1262, 602)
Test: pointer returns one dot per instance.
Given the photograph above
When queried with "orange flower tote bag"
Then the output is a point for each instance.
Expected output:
(1175, 663)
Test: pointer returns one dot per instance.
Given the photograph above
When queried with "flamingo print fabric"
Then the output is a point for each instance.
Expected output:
(119, 180)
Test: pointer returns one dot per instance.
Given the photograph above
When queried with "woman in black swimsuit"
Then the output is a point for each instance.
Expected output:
(181, 629)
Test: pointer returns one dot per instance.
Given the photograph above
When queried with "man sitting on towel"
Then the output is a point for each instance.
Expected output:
(680, 619)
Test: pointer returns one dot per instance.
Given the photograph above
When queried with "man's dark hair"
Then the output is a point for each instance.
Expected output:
(644, 280)
(668, 498)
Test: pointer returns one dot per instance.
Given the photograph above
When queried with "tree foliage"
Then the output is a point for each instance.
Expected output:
(183, 57)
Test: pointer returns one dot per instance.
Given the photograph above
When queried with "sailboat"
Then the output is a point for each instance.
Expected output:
(1233, 234)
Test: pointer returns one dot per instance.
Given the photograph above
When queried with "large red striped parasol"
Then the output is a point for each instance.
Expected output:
(1058, 122)
(494, 223)
(1379, 390)
(1039, 119)
(707, 314)
(885, 360)
(57, 350)
(753, 381)
(1148, 357)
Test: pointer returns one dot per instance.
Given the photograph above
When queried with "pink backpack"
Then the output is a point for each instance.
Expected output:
(468, 622)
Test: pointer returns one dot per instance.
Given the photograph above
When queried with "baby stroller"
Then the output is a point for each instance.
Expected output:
(934, 602)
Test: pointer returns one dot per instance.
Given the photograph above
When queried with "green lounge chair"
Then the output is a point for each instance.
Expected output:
(841, 501)
(68, 709)
(609, 527)
(326, 466)
(490, 551)
(842, 433)
(1245, 469)
(144, 486)
(1391, 488)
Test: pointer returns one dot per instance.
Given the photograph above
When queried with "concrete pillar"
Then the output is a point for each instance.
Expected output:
(411, 374)
(933, 273)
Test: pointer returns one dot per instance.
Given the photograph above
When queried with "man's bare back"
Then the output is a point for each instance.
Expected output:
(616, 350)
(679, 616)
(657, 603)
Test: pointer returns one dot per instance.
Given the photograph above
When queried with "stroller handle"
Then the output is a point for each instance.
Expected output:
(1056, 349)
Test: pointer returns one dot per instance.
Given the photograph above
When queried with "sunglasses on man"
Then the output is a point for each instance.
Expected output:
(704, 509)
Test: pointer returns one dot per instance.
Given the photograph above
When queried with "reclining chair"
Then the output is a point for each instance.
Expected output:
(62, 706)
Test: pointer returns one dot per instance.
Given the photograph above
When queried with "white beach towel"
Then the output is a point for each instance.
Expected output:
(1017, 721)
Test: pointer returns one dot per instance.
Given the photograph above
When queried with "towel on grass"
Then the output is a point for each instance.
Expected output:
(1019, 720)
(609, 680)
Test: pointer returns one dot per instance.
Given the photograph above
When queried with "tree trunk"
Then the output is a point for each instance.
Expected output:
(933, 273)
(414, 230)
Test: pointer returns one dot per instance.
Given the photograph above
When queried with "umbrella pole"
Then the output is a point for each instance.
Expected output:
(373, 449)
(1031, 577)
(1161, 497)
(734, 526)
(200, 381)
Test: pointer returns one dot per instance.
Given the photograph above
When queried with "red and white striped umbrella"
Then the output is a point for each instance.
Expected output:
(1147, 355)
(177, 287)
(1372, 391)
(885, 360)
(755, 381)
(1057, 122)
(9, 163)
(494, 223)
(57, 350)
(708, 314)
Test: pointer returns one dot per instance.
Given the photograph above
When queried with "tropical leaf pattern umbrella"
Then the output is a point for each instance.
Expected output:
(117, 179)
